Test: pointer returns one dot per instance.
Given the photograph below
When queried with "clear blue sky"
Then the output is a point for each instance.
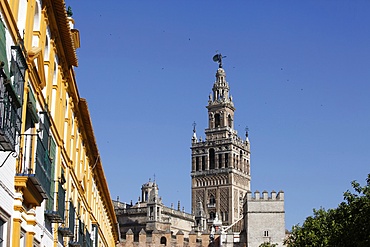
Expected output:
(299, 73)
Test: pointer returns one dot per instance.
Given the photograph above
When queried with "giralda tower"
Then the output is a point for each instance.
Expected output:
(220, 173)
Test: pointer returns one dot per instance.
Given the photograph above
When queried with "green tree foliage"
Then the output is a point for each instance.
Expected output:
(346, 225)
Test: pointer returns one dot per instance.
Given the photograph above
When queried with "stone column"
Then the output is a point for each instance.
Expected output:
(207, 162)
(216, 161)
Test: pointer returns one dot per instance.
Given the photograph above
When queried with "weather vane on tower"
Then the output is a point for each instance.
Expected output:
(218, 58)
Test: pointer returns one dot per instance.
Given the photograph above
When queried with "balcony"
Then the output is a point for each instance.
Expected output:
(56, 216)
(33, 192)
(11, 98)
(10, 117)
(81, 240)
(31, 107)
(88, 239)
(34, 180)
(68, 231)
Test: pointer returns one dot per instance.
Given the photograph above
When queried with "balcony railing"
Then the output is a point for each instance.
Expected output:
(10, 117)
(11, 98)
(34, 177)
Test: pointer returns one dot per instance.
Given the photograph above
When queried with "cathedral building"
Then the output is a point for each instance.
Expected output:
(150, 220)
(224, 210)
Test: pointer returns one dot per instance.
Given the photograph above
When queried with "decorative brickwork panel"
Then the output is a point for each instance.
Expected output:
(199, 196)
(241, 199)
(211, 193)
(224, 199)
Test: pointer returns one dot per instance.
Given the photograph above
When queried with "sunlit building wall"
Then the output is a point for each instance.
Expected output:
(52, 184)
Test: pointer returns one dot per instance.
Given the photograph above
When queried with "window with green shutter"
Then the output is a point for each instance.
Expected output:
(3, 56)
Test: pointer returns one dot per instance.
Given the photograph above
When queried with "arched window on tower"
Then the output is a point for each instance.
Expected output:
(226, 160)
(163, 241)
(220, 161)
(211, 158)
(212, 200)
(212, 215)
(217, 120)
(196, 163)
(203, 163)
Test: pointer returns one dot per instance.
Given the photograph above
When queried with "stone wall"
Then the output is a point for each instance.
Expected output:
(264, 218)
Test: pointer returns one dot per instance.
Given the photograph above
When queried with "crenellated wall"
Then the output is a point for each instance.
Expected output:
(264, 218)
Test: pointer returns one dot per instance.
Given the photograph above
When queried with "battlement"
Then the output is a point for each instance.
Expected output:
(264, 196)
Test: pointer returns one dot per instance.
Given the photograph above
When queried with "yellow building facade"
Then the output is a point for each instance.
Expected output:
(53, 191)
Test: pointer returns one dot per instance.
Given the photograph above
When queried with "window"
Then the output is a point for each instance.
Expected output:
(217, 120)
(219, 160)
(44, 155)
(4, 228)
(212, 158)
(2, 237)
(23, 239)
(203, 163)
(226, 160)
(163, 241)
(212, 200)
(11, 92)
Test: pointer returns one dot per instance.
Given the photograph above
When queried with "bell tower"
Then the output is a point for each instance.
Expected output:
(220, 170)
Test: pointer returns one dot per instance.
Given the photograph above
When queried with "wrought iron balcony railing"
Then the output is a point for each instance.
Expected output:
(11, 98)
(35, 170)
(10, 117)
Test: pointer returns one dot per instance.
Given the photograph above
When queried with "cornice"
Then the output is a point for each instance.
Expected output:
(57, 9)
(96, 165)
